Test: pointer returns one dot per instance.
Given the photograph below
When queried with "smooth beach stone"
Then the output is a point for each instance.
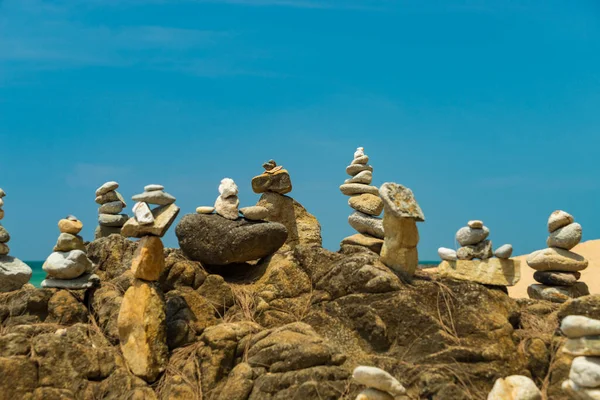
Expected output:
(114, 207)
(475, 224)
(205, 210)
(374, 394)
(69, 226)
(468, 236)
(366, 203)
(583, 346)
(354, 169)
(555, 259)
(372, 243)
(148, 262)
(378, 379)
(142, 213)
(14, 273)
(577, 392)
(4, 235)
(558, 219)
(214, 240)
(107, 187)
(153, 188)
(107, 197)
(481, 250)
(4, 249)
(85, 281)
(67, 265)
(504, 251)
(361, 160)
(228, 207)
(557, 294)
(255, 213)
(143, 330)
(576, 326)
(2, 193)
(157, 197)
(364, 177)
(105, 231)
(493, 271)
(112, 220)
(228, 188)
(400, 201)
(360, 151)
(350, 189)
(447, 254)
(556, 278)
(515, 387)
(585, 371)
(164, 216)
(366, 224)
(566, 237)
(277, 182)
(68, 242)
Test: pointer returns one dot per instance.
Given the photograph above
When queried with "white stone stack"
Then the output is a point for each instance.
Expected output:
(228, 202)
(365, 200)
(14, 273)
(474, 244)
(68, 267)
(380, 385)
(148, 221)
(111, 202)
(557, 267)
(584, 343)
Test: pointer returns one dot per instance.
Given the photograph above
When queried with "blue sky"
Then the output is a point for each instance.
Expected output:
(486, 109)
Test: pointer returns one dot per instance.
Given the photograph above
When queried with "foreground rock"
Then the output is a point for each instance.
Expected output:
(378, 379)
(515, 387)
(493, 271)
(214, 240)
(584, 376)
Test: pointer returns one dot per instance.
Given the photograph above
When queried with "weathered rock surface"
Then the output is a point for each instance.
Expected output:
(367, 224)
(4, 235)
(557, 294)
(14, 273)
(228, 207)
(214, 240)
(481, 251)
(367, 204)
(493, 271)
(70, 226)
(350, 189)
(580, 393)
(164, 216)
(566, 237)
(372, 243)
(400, 201)
(107, 187)
(556, 278)
(148, 261)
(354, 169)
(554, 259)
(278, 182)
(68, 242)
(399, 250)
(558, 219)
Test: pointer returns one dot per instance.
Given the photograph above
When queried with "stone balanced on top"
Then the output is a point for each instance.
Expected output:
(14, 273)
(142, 317)
(364, 199)
(557, 268)
(68, 267)
(474, 261)
(111, 202)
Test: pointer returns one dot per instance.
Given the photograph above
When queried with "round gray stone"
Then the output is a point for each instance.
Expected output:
(468, 236)
(14, 273)
(67, 265)
(557, 278)
(566, 237)
(107, 187)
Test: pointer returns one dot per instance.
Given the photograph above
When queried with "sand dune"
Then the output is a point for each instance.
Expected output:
(591, 275)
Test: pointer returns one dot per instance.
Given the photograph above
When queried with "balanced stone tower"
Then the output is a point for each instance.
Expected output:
(557, 268)
(111, 202)
(68, 267)
(14, 273)
(142, 317)
(583, 343)
(474, 260)
(400, 217)
(365, 200)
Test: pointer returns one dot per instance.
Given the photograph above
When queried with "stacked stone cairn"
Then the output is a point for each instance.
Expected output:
(142, 317)
(111, 202)
(558, 268)
(380, 385)
(14, 273)
(515, 387)
(68, 267)
(583, 343)
(400, 217)
(365, 200)
(474, 260)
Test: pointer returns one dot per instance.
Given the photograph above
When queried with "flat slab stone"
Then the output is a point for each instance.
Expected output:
(107, 187)
(255, 213)
(157, 197)
(557, 294)
(583, 346)
(493, 271)
(107, 197)
(555, 259)
(400, 201)
(354, 169)
(114, 207)
(85, 281)
(350, 189)
(366, 203)
(68, 242)
(366, 224)
(278, 182)
(14, 273)
(104, 231)
(164, 216)
(67, 264)
(372, 243)
(112, 220)
(153, 188)
(556, 278)
(205, 210)
(576, 326)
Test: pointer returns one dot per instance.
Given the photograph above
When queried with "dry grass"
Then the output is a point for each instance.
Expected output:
(554, 348)
(180, 359)
(463, 379)
(247, 301)
(446, 298)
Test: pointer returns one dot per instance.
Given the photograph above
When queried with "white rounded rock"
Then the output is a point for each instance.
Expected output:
(228, 207)
(466, 235)
(143, 214)
(576, 326)
(585, 371)
(558, 219)
(67, 265)
(228, 188)
(504, 251)
(515, 387)
(566, 237)
(153, 187)
(205, 210)
(378, 379)
(255, 213)
(360, 151)
(447, 254)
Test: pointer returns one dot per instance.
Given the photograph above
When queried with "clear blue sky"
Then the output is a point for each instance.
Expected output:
(486, 109)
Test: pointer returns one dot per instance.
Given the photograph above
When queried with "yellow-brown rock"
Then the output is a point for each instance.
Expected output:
(163, 218)
(372, 243)
(399, 250)
(70, 226)
(148, 261)
(277, 182)
(366, 203)
(142, 330)
(493, 271)
(403, 260)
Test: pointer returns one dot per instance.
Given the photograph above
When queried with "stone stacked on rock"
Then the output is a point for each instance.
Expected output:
(474, 260)
(380, 384)
(110, 217)
(557, 267)
(583, 342)
(14, 273)
(365, 200)
(515, 387)
(400, 217)
(275, 179)
(228, 203)
(148, 221)
(68, 267)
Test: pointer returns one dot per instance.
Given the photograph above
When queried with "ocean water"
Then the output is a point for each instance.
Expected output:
(39, 275)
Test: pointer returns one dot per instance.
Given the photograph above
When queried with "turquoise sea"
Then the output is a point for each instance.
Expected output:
(39, 274)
